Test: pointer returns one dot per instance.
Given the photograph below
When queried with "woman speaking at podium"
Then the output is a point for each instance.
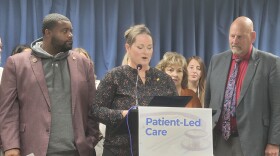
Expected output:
(129, 85)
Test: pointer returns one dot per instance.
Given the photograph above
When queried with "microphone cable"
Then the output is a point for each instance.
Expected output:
(138, 67)
(136, 90)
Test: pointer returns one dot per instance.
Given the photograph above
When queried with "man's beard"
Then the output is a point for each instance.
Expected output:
(61, 47)
(66, 47)
(236, 51)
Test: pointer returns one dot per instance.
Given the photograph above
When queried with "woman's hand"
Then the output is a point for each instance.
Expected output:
(124, 113)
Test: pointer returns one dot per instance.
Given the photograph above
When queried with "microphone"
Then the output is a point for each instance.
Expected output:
(138, 67)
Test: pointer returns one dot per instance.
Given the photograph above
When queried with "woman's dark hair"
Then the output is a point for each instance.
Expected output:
(19, 48)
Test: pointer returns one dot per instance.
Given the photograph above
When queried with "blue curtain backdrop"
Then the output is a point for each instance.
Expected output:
(190, 27)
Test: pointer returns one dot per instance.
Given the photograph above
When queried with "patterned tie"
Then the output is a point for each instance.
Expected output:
(230, 101)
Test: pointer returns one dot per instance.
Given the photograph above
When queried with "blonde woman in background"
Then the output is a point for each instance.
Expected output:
(82, 51)
(174, 64)
(196, 76)
(125, 59)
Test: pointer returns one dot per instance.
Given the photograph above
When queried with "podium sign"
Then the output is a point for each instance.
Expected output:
(167, 131)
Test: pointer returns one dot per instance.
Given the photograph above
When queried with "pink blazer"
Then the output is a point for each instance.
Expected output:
(25, 117)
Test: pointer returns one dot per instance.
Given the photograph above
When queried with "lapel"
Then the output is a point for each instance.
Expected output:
(252, 66)
(72, 62)
(223, 75)
(36, 65)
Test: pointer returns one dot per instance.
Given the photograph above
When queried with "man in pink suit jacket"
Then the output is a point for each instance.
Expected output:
(45, 97)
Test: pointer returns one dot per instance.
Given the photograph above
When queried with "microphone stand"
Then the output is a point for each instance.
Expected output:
(138, 67)
(136, 90)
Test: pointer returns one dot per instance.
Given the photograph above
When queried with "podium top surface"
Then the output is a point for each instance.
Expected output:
(170, 101)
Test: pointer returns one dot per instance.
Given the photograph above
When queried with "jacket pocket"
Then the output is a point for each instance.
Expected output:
(266, 122)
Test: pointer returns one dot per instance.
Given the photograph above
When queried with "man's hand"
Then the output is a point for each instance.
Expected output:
(12, 152)
(272, 150)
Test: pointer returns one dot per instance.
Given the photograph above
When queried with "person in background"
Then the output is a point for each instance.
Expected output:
(1, 70)
(196, 76)
(1, 45)
(174, 64)
(243, 86)
(125, 59)
(21, 48)
(82, 51)
(44, 105)
(117, 91)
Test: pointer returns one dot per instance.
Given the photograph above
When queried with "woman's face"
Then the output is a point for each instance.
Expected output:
(194, 71)
(176, 73)
(141, 51)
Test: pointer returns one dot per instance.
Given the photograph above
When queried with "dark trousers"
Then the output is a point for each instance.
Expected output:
(230, 147)
(107, 152)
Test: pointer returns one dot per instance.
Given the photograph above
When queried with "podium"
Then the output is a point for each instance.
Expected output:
(157, 101)
(175, 131)
(169, 131)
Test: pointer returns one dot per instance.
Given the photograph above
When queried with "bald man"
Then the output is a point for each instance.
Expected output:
(243, 85)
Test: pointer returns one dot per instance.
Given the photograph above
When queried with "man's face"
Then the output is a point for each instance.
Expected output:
(240, 39)
(62, 37)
